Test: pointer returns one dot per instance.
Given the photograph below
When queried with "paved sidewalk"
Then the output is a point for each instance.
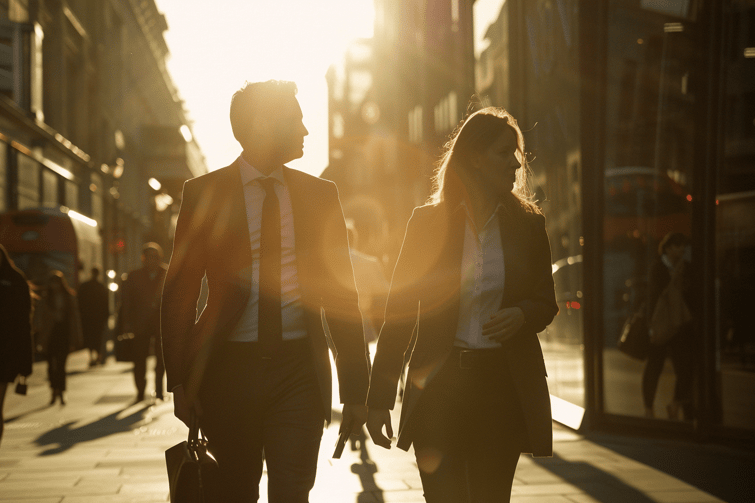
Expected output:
(101, 447)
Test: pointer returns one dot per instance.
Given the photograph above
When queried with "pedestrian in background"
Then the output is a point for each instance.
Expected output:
(94, 308)
(140, 310)
(671, 265)
(474, 276)
(64, 331)
(16, 348)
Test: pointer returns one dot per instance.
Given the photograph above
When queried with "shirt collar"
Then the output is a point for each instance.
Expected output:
(463, 205)
(249, 173)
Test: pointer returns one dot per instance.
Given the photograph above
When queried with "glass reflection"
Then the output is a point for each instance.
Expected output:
(648, 179)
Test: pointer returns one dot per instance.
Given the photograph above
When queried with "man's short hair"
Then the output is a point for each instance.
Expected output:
(263, 98)
(153, 247)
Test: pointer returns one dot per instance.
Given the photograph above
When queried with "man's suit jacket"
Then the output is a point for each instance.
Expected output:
(140, 307)
(212, 238)
(425, 296)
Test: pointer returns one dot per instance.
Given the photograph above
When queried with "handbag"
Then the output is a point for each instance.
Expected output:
(125, 347)
(21, 387)
(670, 313)
(193, 472)
(634, 340)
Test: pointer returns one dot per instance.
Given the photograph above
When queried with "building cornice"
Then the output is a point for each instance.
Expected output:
(41, 130)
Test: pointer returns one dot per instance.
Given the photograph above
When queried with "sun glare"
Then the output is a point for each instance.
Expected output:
(214, 50)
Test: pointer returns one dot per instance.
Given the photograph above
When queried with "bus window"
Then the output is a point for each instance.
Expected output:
(45, 239)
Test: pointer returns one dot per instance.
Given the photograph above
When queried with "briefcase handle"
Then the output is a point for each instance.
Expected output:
(194, 430)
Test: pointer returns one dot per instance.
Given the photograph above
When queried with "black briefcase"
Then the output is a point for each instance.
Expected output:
(193, 472)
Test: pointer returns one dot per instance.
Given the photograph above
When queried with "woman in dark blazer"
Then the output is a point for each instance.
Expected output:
(474, 280)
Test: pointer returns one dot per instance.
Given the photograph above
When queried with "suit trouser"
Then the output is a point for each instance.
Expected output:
(468, 430)
(140, 364)
(250, 406)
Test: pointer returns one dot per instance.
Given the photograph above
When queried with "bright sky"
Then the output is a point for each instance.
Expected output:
(487, 10)
(216, 46)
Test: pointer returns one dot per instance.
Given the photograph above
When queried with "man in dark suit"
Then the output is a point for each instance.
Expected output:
(94, 309)
(272, 244)
(140, 310)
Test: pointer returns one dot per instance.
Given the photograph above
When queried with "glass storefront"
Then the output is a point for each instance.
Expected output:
(735, 225)
(3, 176)
(651, 110)
(624, 149)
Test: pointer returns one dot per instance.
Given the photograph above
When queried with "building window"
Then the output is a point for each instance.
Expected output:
(446, 114)
(49, 188)
(338, 125)
(415, 124)
(72, 195)
(28, 182)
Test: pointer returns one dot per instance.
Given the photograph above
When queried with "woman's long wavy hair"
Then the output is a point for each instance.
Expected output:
(476, 134)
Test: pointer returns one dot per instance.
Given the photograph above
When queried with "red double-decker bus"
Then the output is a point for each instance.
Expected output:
(44, 239)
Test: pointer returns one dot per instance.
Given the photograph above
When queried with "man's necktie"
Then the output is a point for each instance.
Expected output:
(270, 325)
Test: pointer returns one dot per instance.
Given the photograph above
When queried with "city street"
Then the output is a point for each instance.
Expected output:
(101, 447)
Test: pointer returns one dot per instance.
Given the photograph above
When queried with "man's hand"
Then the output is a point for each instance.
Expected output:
(376, 419)
(504, 324)
(354, 417)
(181, 406)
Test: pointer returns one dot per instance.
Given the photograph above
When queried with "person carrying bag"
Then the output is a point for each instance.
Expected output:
(634, 340)
(193, 473)
(671, 330)
(671, 311)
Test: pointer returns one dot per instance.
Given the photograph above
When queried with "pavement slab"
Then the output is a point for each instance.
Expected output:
(101, 447)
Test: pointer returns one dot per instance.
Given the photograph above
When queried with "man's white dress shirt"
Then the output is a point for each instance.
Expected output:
(294, 326)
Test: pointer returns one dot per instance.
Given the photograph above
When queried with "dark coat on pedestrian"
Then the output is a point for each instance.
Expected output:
(425, 294)
(660, 277)
(95, 310)
(16, 348)
(141, 302)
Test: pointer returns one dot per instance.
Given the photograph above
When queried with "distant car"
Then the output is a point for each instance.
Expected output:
(567, 326)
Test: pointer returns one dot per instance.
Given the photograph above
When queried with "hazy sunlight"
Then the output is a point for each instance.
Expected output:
(215, 47)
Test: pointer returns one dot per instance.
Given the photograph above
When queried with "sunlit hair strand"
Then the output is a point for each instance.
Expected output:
(476, 134)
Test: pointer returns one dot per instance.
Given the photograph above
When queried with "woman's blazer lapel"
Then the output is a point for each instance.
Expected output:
(514, 258)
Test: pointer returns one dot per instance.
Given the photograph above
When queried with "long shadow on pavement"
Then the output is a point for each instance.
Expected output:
(723, 471)
(600, 485)
(66, 436)
(366, 470)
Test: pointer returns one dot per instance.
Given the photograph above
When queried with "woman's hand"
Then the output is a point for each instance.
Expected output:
(504, 324)
(377, 419)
